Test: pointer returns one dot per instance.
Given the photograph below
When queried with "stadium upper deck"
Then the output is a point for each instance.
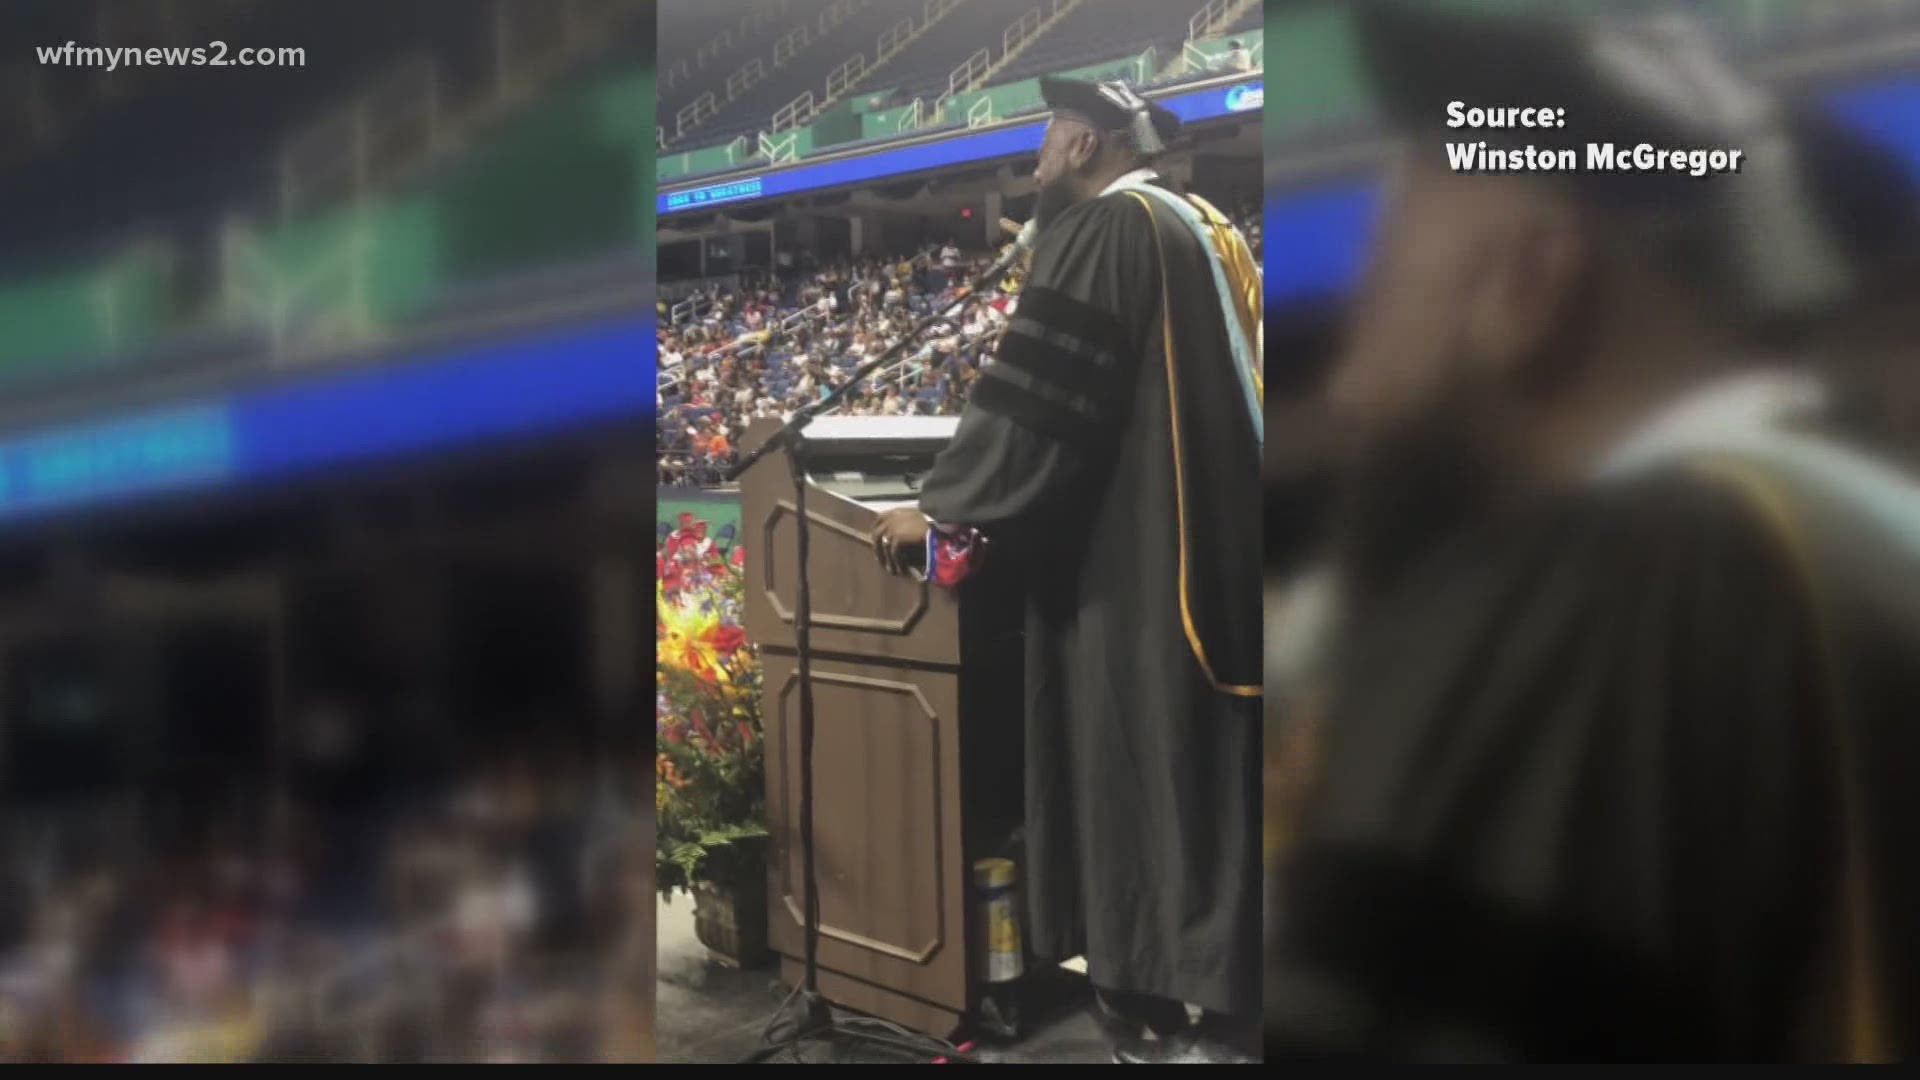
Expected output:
(949, 64)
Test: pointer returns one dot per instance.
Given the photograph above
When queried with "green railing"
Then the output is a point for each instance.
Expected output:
(1198, 56)
(1024, 96)
(836, 128)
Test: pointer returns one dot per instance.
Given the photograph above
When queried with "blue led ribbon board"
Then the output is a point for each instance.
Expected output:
(944, 153)
(100, 461)
(714, 194)
(523, 388)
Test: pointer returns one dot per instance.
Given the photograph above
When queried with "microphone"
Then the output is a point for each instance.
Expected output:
(794, 426)
(1022, 244)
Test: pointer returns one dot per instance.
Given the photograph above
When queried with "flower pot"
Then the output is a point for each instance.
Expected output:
(730, 919)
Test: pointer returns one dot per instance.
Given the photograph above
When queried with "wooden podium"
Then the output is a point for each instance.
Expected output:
(917, 728)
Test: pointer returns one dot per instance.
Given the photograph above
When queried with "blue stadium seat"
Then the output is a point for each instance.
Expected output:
(921, 69)
(1251, 19)
(1102, 30)
(691, 24)
(751, 112)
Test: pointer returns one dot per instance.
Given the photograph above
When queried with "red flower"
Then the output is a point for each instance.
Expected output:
(727, 640)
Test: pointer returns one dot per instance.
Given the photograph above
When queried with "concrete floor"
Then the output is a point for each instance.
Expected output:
(707, 1013)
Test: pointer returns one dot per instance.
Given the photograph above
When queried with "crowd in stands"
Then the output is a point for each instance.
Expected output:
(479, 920)
(766, 348)
(764, 351)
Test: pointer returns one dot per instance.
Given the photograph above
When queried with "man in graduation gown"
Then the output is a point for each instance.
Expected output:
(1617, 758)
(1111, 454)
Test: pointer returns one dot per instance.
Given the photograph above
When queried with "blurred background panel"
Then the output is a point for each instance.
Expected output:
(323, 404)
(1326, 149)
(1858, 60)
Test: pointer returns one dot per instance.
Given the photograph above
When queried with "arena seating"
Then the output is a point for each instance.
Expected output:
(1088, 41)
(921, 69)
(733, 36)
(751, 112)
(1099, 30)
(720, 369)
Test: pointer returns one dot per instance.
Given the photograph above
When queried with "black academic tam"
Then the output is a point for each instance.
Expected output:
(1108, 106)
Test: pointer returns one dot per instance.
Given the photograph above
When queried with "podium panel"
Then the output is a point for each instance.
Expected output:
(857, 609)
(887, 830)
(916, 730)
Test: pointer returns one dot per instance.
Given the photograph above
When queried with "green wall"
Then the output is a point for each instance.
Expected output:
(402, 256)
(840, 124)
(557, 185)
(80, 316)
(717, 509)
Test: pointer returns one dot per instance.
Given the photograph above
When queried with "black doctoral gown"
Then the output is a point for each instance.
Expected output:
(1626, 776)
(1109, 455)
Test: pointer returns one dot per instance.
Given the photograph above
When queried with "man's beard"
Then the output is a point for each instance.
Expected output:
(1412, 489)
(1056, 198)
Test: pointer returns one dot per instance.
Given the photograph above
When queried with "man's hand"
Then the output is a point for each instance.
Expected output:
(896, 529)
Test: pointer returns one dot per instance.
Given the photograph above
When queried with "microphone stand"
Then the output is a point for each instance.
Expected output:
(808, 1013)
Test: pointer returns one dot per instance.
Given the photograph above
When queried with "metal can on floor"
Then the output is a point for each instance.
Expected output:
(994, 882)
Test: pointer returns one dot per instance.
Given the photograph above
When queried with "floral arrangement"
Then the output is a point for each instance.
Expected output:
(709, 768)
